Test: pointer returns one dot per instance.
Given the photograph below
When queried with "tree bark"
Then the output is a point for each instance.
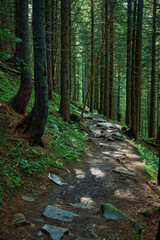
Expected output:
(65, 86)
(48, 19)
(106, 83)
(133, 109)
(92, 56)
(111, 68)
(128, 84)
(20, 101)
(102, 70)
(153, 77)
(138, 62)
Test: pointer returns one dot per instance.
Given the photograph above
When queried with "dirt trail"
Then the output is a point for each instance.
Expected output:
(94, 182)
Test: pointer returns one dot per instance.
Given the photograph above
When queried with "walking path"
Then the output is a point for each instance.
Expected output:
(111, 173)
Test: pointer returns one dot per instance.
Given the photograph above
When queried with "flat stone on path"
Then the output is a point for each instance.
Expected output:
(81, 205)
(111, 212)
(124, 172)
(27, 198)
(58, 213)
(19, 219)
(108, 125)
(57, 179)
(55, 232)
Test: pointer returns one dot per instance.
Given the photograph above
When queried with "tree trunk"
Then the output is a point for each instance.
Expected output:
(106, 84)
(48, 19)
(20, 101)
(102, 70)
(36, 120)
(65, 87)
(138, 62)
(111, 68)
(153, 77)
(128, 84)
(40, 111)
(17, 23)
(133, 109)
(118, 100)
(70, 55)
(92, 56)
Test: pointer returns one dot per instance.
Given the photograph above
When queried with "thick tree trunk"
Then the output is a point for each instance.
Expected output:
(138, 62)
(36, 120)
(106, 83)
(48, 19)
(65, 86)
(92, 55)
(128, 84)
(153, 77)
(39, 113)
(20, 101)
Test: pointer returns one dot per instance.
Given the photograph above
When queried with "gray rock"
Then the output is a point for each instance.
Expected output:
(19, 219)
(81, 205)
(125, 172)
(56, 179)
(40, 234)
(55, 232)
(108, 125)
(111, 212)
(39, 220)
(101, 120)
(118, 136)
(59, 214)
(55, 127)
(87, 116)
(27, 198)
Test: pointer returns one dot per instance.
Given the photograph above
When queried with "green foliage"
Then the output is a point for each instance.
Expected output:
(19, 161)
(151, 160)
(137, 235)
(66, 139)
(7, 34)
(8, 86)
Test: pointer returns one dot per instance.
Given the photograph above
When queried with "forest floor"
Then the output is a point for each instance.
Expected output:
(91, 182)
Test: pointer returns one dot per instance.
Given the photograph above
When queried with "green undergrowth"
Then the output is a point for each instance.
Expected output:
(150, 159)
(20, 163)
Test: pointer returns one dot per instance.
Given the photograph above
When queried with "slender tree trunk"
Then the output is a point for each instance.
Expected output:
(102, 70)
(128, 84)
(65, 86)
(20, 101)
(92, 55)
(17, 19)
(70, 55)
(118, 100)
(49, 23)
(153, 76)
(111, 68)
(106, 84)
(53, 41)
(138, 62)
(133, 109)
